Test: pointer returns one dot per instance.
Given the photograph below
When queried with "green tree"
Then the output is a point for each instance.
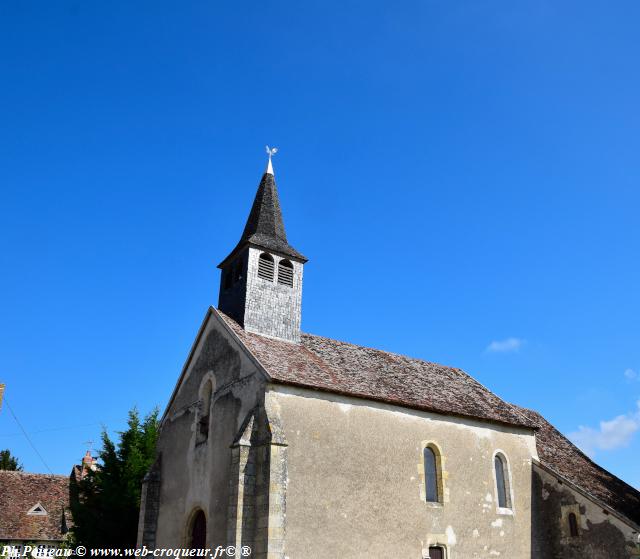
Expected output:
(105, 503)
(8, 462)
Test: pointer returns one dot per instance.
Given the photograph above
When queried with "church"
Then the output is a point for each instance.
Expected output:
(298, 446)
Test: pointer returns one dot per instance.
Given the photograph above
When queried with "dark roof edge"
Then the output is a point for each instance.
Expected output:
(401, 404)
(244, 244)
(586, 494)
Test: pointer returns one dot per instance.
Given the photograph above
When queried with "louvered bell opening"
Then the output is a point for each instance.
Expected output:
(265, 267)
(285, 273)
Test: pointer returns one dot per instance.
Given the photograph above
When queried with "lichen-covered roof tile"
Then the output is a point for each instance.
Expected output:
(333, 366)
(19, 493)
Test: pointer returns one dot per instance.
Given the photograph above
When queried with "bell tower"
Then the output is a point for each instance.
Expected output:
(261, 281)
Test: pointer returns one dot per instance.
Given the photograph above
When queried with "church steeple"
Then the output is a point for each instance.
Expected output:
(261, 285)
(265, 226)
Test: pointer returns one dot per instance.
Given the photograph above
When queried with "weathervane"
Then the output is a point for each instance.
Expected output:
(271, 152)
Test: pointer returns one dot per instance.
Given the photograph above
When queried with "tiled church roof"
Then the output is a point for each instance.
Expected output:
(562, 456)
(19, 493)
(329, 365)
(342, 368)
(265, 227)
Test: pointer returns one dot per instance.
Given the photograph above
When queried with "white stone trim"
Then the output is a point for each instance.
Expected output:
(443, 494)
(33, 511)
(509, 489)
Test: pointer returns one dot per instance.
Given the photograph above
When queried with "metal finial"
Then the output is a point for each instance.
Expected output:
(271, 152)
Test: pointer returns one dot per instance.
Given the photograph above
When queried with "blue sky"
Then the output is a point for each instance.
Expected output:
(463, 177)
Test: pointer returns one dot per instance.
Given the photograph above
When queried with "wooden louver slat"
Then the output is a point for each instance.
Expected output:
(285, 273)
(265, 267)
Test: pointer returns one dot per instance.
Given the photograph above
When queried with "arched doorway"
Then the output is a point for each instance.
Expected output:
(198, 532)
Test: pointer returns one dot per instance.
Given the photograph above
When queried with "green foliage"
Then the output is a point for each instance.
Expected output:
(8, 462)
(105, 503)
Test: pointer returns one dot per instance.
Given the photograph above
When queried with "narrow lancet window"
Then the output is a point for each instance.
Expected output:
(573, 525)
(265, 267)
(431, 476)
(502, 482)
(198, 536)
(285, 273)
(204, 417)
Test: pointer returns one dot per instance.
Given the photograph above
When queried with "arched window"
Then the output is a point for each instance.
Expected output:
(502, 482)
(265, 267)
(204, 416)
(285, 273)
(431, 475)
(573, 525)
(198, 531)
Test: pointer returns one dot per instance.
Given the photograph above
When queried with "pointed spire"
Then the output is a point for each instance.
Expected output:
(265, 218)
(265, 226)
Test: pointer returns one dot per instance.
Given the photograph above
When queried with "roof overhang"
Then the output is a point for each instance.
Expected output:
(262, 246)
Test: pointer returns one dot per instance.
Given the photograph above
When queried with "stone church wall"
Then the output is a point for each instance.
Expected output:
(601, 534)
(195, 470)
(301, 474)
(355, 474)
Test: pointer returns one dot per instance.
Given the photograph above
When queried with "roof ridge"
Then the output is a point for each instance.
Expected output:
(23, 473)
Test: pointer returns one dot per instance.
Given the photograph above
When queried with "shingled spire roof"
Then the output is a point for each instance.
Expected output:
(265, 227)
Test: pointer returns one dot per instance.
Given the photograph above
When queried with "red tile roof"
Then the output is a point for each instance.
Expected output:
(19, 493)
(329, 365)
(560, 455)
(333, 366)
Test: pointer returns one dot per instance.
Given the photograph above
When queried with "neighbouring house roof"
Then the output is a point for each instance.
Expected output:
(329, 365)
(20, 492)
(560, 455)
(265, 226)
